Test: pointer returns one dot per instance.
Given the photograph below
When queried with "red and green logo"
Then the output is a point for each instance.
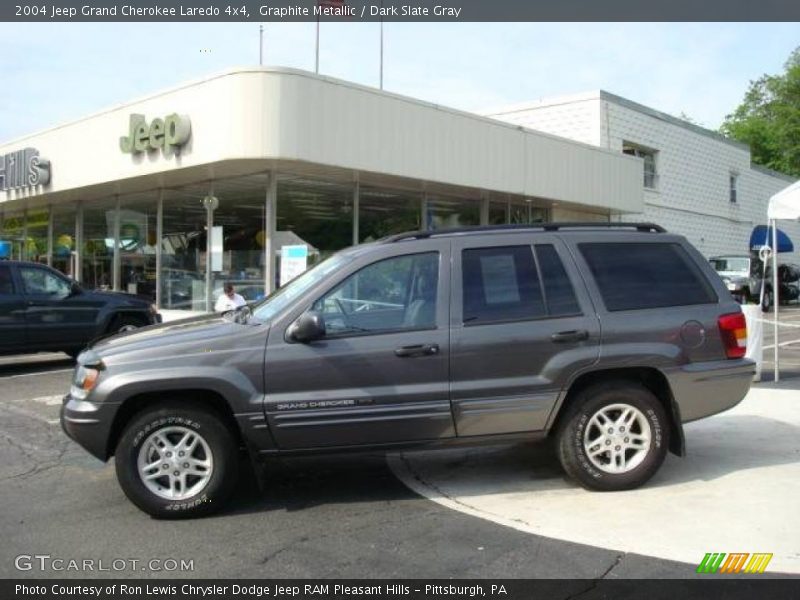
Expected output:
(735, 562)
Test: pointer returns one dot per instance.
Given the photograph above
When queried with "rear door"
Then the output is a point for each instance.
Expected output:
(381, 373)
(12, 312)
(56, 317)
(521, 325)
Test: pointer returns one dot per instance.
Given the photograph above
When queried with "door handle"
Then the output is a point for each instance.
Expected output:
(575, 335)
(417, 350)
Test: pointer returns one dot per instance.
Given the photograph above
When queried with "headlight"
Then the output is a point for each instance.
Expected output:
(84, 381)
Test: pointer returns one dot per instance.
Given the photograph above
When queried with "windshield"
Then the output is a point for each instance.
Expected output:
(735, 264)
(283, 297)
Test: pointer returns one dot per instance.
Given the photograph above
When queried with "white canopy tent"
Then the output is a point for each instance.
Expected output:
(783, 206)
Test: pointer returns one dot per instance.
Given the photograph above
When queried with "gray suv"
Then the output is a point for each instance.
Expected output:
(604, 338)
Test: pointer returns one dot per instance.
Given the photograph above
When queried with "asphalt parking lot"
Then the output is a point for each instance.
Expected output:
(354, 516)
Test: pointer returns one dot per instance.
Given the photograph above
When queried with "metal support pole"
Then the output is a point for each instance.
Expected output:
(116, 264)
(381, 68)
(424, 211)
(159, 244)
(50, 235)
(260, 45)
(316, 60)
(78, 259)
(775, 297)
(209, 235)
(23, 251)
(356, 204)
(484, 212)
(271, 204)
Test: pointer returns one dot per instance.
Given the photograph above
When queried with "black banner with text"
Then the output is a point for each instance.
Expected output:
(405, 10)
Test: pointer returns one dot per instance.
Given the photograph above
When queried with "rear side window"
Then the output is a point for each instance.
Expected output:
(634, 275)
(501, 284)
(6, 284)
(560, 295)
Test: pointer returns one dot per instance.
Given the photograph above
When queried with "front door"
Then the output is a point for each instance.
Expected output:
(12, 313)
(522, 324)
(380, 375)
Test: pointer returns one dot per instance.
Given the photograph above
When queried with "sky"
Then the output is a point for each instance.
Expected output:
(53, 73)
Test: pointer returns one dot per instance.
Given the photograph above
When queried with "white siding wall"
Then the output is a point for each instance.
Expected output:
(693, 170)
(577, 118)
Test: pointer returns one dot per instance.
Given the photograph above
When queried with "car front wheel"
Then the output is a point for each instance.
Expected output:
(614, 436)
(174, 461)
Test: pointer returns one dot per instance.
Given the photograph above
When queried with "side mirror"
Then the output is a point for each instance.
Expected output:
(243, 314)
(75, 289)
(308, 327)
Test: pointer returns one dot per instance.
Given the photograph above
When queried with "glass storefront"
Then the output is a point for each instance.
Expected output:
(314, 213)
(383, 212)
(526, 213)
(97, 252)
(240, 226)
(12, 233)
(444, 212)
(113, 242)
(64, 239)
(183, 248)
(138, 226)
(498, 212)
(37, 222)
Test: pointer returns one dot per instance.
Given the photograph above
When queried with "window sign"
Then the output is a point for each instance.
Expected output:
(216, 248)
(294, 261)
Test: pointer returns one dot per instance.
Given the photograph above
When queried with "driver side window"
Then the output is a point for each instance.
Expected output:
(394, 294)
(38, 282)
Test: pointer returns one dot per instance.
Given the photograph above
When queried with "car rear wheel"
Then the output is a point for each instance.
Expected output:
(614, 436)
(175, 462)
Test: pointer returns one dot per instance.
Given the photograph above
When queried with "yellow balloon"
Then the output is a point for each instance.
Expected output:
(64, 241)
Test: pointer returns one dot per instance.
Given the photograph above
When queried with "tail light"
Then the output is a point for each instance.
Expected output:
(733, 329)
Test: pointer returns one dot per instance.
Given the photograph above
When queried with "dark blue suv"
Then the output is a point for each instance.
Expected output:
(43, 310)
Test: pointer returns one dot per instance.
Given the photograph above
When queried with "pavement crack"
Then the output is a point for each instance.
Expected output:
(593, 583)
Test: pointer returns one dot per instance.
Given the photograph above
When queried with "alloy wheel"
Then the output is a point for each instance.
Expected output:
(617, 438)
(175, 463)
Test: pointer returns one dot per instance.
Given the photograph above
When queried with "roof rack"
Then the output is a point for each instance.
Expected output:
(419, 235)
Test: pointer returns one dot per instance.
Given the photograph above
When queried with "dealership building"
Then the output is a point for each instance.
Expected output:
(695, 181)
(223, 178)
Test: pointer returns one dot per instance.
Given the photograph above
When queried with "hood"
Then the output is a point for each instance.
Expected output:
(198, 334)
(118, 298)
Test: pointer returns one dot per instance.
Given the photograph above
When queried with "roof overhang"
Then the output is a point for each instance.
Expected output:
(249, 120)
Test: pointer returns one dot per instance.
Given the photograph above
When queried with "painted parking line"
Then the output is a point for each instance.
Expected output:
(738, 484)
(37, 373)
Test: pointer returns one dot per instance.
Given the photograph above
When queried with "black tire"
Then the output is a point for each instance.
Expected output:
(217, 435)
(766, 304)
(587, 403)
(122, 323)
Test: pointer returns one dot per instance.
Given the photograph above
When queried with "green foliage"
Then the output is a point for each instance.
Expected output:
(768, 119)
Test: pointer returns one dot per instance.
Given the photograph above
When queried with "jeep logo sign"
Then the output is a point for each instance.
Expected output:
(167, 134)
(23, 169)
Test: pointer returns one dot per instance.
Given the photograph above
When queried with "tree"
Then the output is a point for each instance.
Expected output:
(768, 119)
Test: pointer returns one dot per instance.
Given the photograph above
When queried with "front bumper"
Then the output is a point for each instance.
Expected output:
(707, 388)
(89, 424)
